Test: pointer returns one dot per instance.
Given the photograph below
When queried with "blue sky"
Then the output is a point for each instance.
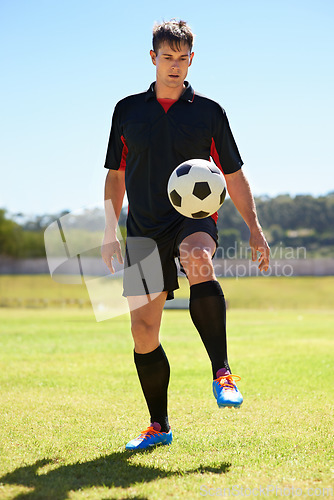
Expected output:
(65, 64)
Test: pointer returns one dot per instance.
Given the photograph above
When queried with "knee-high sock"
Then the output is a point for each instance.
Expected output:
(153, 372)
(208, 312)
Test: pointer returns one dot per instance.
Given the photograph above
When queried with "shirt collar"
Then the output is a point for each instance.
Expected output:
(188, 94)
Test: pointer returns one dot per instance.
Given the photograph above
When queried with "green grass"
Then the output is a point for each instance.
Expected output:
(70, 400)
(250, 293)
(275, 292)
(37, 287)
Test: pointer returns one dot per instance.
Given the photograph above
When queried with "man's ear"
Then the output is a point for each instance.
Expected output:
(191, 58)
(153, 57)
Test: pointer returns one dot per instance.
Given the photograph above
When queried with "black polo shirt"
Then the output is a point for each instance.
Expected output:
(150, 143)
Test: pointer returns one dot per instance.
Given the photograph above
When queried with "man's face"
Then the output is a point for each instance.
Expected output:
(172, 65)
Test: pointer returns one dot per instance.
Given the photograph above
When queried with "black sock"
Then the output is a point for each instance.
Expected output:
(153, 372)
(208, 312)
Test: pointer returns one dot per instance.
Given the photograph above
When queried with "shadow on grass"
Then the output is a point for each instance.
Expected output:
(111, 471)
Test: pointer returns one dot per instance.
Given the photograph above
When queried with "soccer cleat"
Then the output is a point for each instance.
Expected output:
(152, 436)
(226, 392)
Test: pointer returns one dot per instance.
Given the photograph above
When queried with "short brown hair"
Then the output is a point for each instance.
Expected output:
(174, 32)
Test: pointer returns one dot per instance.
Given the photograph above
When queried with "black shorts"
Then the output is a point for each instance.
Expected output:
(150, 265)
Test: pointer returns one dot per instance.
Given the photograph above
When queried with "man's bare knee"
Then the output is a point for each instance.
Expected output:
(145, 335)
(145, 324)
(142, 327)
(198, 265)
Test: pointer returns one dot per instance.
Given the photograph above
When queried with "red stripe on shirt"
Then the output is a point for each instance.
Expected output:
(125, 150)
(215, 216)
(215, 156)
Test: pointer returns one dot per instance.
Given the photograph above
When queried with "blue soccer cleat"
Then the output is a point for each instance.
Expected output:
(152, 436)
(226, 392)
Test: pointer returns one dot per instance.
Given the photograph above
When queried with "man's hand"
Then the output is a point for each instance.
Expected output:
(258, 243)
(110, 247)
(241, 195)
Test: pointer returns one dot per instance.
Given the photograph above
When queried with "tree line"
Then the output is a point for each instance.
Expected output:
(300, 221)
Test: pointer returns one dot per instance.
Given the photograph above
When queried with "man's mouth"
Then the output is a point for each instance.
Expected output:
(174, 76)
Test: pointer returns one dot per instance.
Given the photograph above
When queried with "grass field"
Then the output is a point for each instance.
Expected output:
(70, 400)
(244, 293)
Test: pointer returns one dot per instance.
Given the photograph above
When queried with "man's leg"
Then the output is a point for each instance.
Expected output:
(150, 359)
(207, 303)
(208, 312)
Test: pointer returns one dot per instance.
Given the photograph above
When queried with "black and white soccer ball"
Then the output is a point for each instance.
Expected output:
(197, 188)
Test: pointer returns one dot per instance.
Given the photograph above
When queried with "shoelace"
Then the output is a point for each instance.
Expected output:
(150, 431)
(226, 381)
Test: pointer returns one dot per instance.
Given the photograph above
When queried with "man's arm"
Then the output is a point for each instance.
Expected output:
(241, 195)
(113, 199)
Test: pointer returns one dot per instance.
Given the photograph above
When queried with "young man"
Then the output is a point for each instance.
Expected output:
(153, 132)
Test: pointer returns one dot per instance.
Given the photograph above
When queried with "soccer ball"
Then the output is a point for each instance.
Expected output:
(196, 188)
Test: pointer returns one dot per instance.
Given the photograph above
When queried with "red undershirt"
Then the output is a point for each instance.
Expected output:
(166, 103)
